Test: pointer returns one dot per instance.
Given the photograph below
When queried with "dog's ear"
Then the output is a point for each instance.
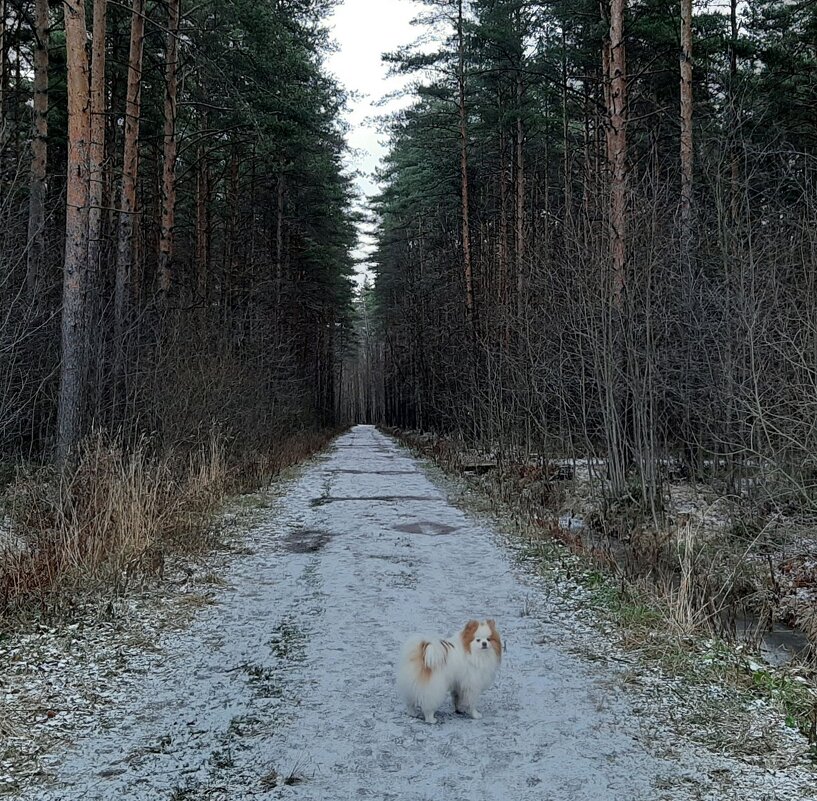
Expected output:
(495, 639)
(469, 631)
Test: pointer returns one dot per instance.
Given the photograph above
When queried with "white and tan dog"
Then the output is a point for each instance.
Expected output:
(464, 666)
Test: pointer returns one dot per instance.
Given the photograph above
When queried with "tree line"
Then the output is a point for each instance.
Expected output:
(597, 235)
(175, 219)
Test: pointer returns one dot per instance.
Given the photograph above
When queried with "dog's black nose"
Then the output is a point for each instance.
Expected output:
(485, 645)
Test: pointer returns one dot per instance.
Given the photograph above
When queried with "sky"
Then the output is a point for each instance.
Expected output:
(363, 30)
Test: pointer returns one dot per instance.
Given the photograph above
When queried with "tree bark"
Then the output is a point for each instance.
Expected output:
(97, 148)
(568, 183)
(231, 281)
(97, 177)
(72, 370)
(617, 148)
(734, 157)
(18, 88)
(466, 227)
(170, 149)
(520, 202)
(130, 168)
(39, 151)
(503, 224)
(3, 73)
(686, 128)
(279, 239)
(202, 225)
(614, 362)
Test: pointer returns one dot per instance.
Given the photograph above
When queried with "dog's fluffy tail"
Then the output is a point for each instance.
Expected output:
(435, 653)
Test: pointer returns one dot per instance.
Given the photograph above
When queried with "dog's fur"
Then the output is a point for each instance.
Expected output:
(464, 665)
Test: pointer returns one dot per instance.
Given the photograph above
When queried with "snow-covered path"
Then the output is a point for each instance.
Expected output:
(291, 672)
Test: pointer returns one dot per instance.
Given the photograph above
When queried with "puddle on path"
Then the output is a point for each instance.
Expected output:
(324, 499)
(306, 540)
(426, 527)
(356, 472)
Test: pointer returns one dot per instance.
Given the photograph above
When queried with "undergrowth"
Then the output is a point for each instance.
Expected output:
(116, 513)
(697, 656)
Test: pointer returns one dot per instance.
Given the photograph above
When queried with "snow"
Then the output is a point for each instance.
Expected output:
(283, 685)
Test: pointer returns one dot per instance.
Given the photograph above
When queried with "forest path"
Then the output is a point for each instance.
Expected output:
(291, 673)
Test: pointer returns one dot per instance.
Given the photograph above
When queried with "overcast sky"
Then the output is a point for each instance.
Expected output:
(363, 30)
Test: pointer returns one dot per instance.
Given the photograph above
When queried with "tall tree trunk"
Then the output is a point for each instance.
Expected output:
(97, 176)
(72, 370)
(617, 147)
(170, 149)
(519, 250)
(568, 183)
(97, 149)
(279, 239)
(588, 134)
(3, 73)
(202, 226)
(733, 260)
(230, 282)
(614, 361)
(466, 227)
(18, 88)
(39, 151)
(130, 170)
(253, 218)
(113, 145)
(686, 128)
(502, 177)
(734, 157)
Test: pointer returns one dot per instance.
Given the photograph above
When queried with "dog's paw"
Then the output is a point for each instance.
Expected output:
(430, 718)
(475, 715)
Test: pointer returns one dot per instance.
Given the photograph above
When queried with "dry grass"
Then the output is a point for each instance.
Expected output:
(254, 466)
(116, 513)
(110, 514)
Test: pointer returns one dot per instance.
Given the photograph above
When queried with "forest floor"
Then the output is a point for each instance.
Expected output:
(268, 671)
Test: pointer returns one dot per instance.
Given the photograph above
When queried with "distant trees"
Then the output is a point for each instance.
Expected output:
(641, 237)
(176, 221)
(360, 385)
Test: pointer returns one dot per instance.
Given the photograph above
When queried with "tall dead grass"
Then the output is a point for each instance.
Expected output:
(118, 511)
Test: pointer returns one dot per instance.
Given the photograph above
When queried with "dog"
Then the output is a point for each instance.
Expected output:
(464, 665)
